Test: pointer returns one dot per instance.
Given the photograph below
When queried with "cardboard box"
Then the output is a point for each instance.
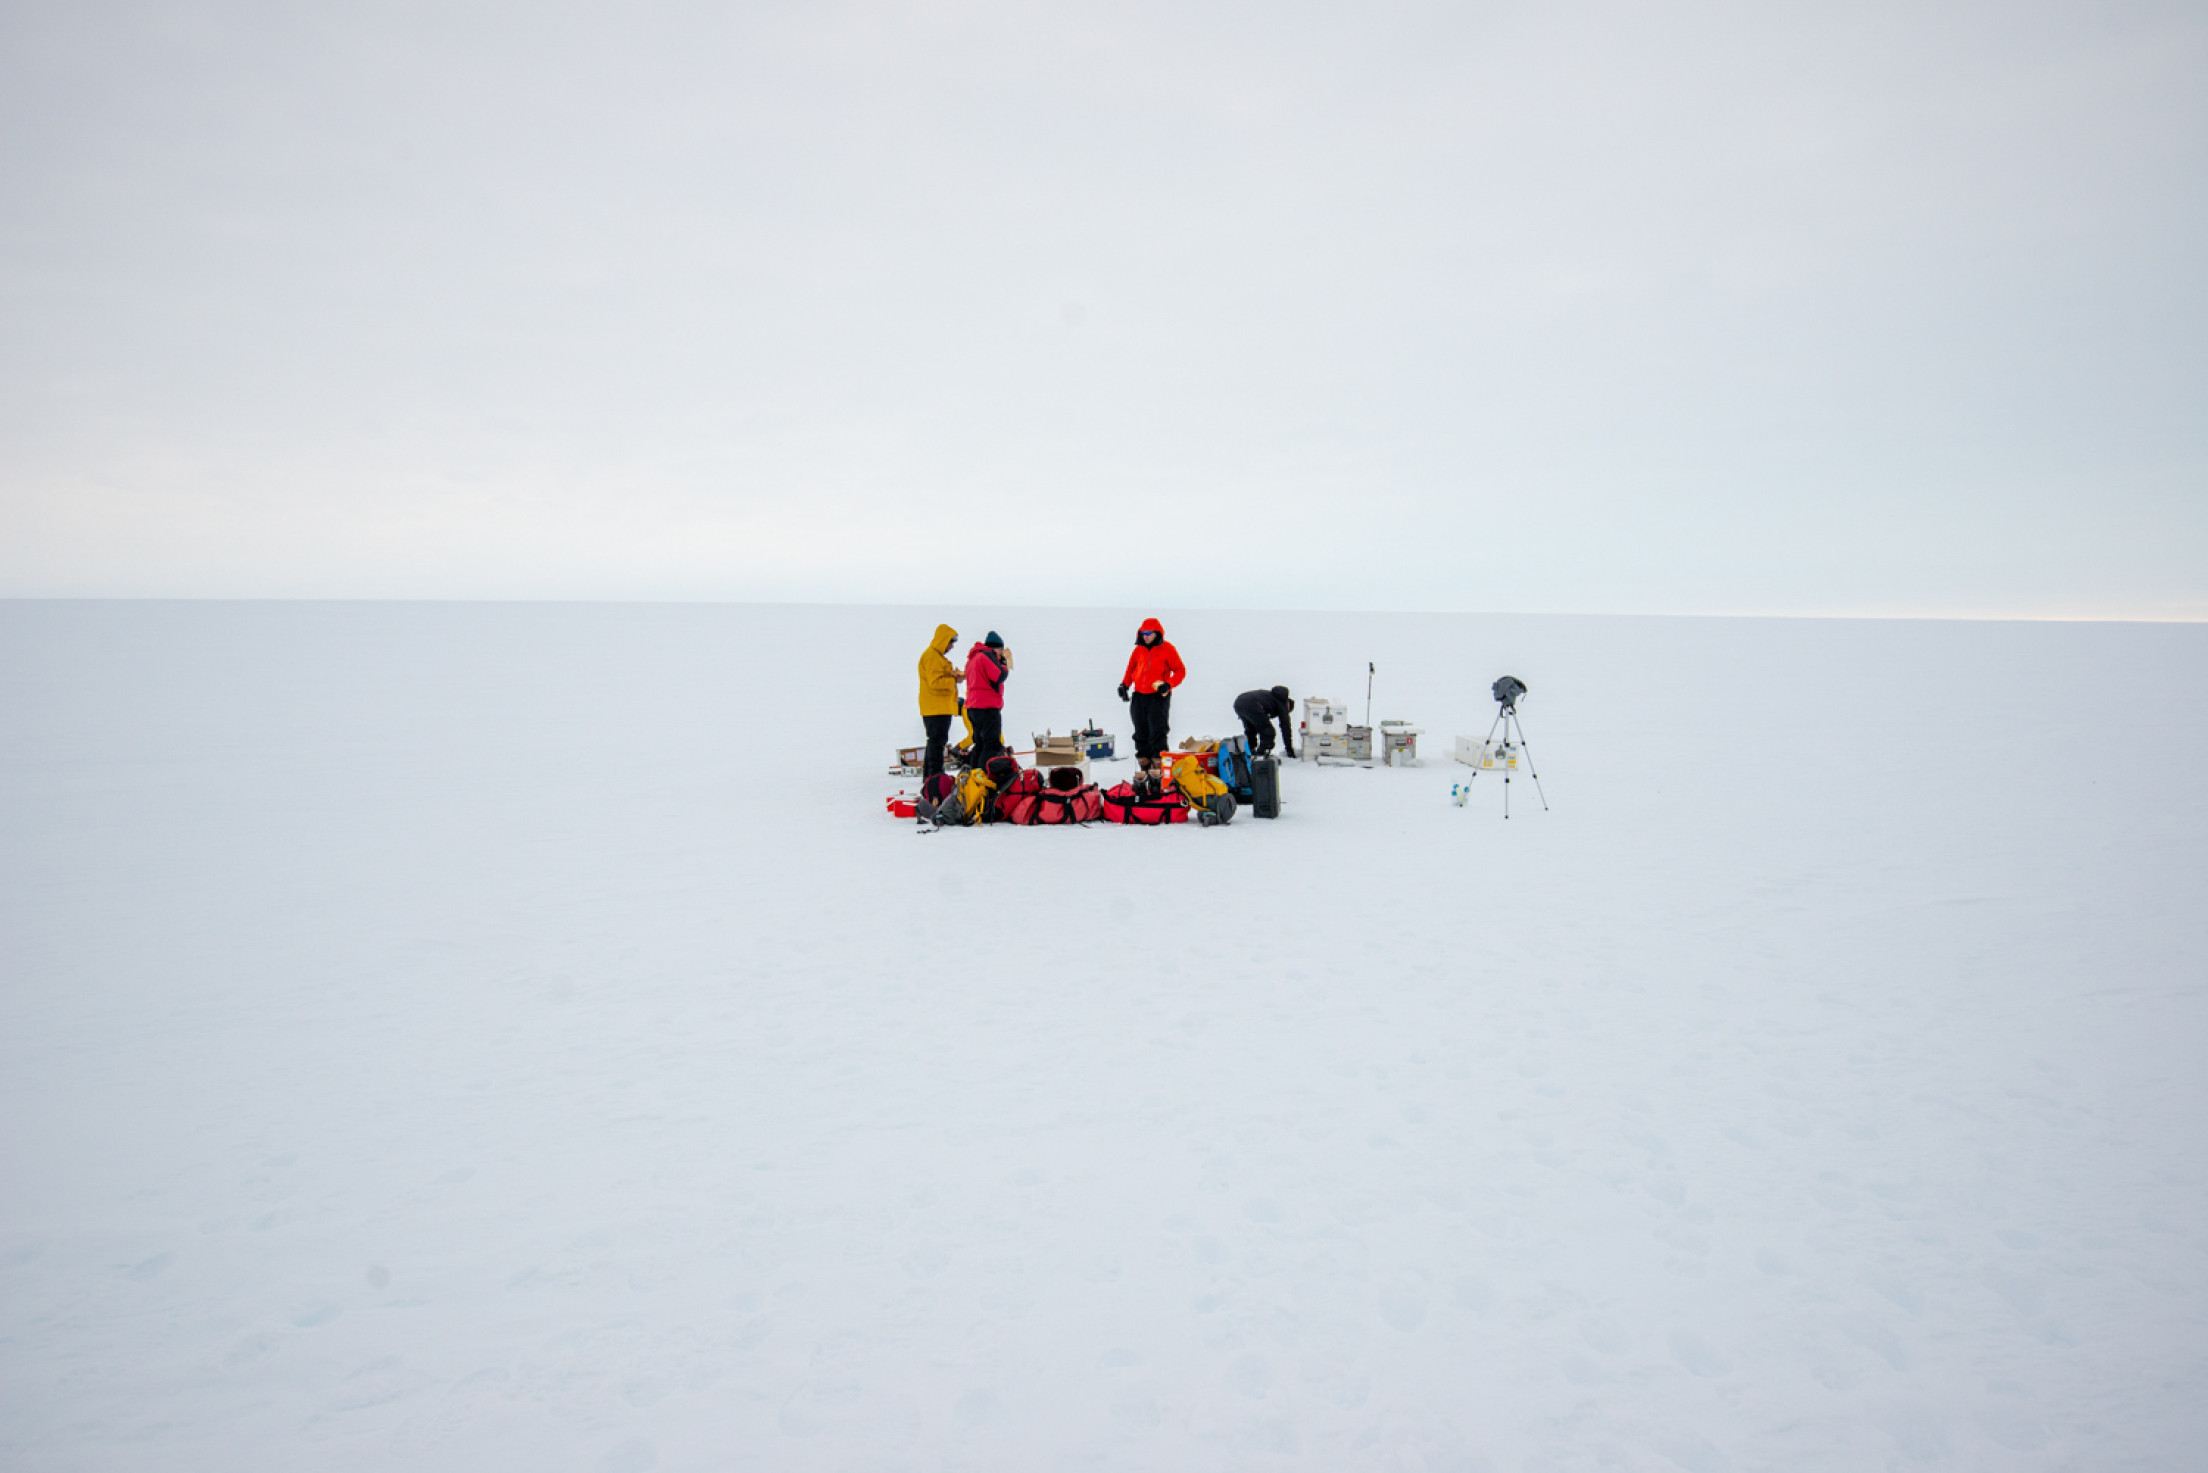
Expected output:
(1060, 751)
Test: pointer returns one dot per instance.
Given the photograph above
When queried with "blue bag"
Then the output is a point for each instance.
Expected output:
(1234, 767)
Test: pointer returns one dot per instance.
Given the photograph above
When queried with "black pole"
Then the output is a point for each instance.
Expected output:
(1368, 693)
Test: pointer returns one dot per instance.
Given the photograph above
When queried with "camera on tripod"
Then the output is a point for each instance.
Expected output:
(1503, 748)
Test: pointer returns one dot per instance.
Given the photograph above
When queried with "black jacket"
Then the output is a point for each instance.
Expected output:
(1256, 708)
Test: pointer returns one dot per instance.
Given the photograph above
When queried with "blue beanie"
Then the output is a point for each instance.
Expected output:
(995, 640)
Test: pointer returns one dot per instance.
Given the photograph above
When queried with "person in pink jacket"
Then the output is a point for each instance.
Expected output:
(988, 665)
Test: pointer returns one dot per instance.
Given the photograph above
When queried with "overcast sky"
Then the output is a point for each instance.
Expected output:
(1885, 307)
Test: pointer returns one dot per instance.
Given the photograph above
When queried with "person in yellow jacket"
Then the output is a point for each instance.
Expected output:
(939, 702)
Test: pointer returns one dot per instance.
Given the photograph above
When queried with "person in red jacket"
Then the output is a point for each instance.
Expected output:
(988, 664)
(1152, 671)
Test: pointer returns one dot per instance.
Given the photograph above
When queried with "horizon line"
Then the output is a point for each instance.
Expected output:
(1819, 616)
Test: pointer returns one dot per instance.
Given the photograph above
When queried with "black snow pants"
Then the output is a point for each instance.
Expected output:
(939, 732)
(1150, 713)
(988, 731)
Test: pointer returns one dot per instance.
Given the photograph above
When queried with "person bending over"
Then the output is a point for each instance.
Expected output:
(1259, 709)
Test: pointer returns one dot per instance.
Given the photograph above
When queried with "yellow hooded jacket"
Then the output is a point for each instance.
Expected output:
(938, 676)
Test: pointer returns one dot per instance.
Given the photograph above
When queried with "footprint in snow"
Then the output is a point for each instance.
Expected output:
(1603, 1336)
(1403, 1307)
(1694, 1454)
(1695, 1354)
(634, 1456)
(1475, 1294)
(1251, 1375)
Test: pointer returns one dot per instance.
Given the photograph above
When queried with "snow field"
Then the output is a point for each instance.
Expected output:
(504, 1035)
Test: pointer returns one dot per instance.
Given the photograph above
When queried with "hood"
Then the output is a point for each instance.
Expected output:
(945, 637)
(1149, 626)
(978, 648)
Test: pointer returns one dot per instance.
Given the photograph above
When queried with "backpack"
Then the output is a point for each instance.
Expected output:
(997, 774)
(1153, 805)
(1234, 767)
(933, 791)
(1212, 799)
(968, 800)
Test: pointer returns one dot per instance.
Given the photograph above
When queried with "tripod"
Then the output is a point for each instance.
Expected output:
(1507, 721)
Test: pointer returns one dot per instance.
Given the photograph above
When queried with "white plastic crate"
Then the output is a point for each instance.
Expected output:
(1399, 743)
(1500, 755)
(1350, 744)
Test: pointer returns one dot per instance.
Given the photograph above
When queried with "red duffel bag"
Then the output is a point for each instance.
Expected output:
(1122, 804)
(1029, 801)
(1083, 804)
(1021, 801)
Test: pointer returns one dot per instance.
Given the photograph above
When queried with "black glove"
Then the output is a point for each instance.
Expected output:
(1164, 686)
(1123, 692)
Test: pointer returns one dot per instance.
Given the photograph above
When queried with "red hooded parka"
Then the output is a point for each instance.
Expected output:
(985, 672)
(1151, 663)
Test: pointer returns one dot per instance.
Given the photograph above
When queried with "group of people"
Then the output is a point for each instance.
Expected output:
(1154, 670)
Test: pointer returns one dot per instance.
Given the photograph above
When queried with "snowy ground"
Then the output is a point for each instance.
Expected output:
(512, 1037)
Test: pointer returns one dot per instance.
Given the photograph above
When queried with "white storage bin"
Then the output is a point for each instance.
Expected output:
(1399, 743)
(1500, 755)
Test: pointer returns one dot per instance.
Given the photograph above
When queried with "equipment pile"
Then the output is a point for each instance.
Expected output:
(1325, 734)
(1001, 791)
